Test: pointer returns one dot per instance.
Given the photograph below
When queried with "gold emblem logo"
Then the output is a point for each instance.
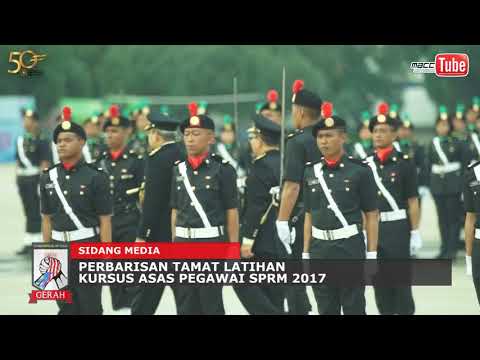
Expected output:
(273, 106)
(381, 118)
(329, 122)
(115, 121)
(66, 125)
(25, 62)
(194, 121)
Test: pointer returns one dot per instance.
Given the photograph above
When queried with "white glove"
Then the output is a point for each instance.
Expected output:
(305, 256)
(284, 234)
(468, 262)
(423, 191)
(365, 238)
(275, 191)
(293, 236)
(415, 242)
(371, 255)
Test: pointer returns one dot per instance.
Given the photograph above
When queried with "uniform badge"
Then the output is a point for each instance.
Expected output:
(115, 121)
(381, 118)
(194, 121)
(273, 106)
(28, 113)
(329, 122)
(451, 149)
(66, 125)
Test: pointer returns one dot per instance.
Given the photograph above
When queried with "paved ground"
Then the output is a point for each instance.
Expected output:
(15, 272)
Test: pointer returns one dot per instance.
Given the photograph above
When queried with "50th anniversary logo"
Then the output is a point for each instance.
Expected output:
(25, 62)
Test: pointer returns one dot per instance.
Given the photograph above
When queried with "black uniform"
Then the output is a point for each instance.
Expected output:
(399, 177)
(30, 152)
(471, 194)
(95, 147)
(446, 187)
(353, 189)
(214, 185)
(124, 173)
(86, 190)
(301, 148)
(155, 224)
(138, 143)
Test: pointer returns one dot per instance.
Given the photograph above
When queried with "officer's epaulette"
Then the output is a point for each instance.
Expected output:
(358, 161)
(472, 165)
(153, 152)
(45, 170)
(219, 158)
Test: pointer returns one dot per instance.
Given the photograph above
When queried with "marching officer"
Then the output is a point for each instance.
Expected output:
(95, 141)
(446, 161)
(338, 190)
(301, 148)
(204, 202)
(76, 205)
(272, 109)
(259, 240)
(395, 175)
(363, 147)
(155, 223)
(32, 154)
(408, 145)
(471, 193)
(125, 172)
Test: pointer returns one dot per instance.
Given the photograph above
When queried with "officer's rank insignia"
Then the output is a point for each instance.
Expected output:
(329, 122)
(381, 118)
(66, 125)
(115, 121)
(194, 121)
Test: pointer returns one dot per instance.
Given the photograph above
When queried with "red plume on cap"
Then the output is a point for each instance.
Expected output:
(114, 111)
(382, 109)
(297, 86)
(272, 96)
(67, 113)
(193, 108)
(327, 109)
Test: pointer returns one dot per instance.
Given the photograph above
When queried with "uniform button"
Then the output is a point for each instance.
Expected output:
(112, 177)
(51, 193)
(67, 177)
(191, 204)
(81, 192)
(195, 173)
(124, 171)
(124, 156)
(313, 190)
(111, 192)
(381, 166)
(208, 177)
(65, 192)
(379, 193)
(111, 185)
(341, 165)
(113, 164)
(393, 179)
(178, 187)
(207, 186)
(331, 175)
(328, 207)
(347, 189)
(394, 158)
(193, 188)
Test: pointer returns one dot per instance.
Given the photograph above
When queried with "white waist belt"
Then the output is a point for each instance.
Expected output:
(74, 235)
(443, 169)
(393, 215)
(477, 233)
(199, 233)
(337, 234)
(28, 171)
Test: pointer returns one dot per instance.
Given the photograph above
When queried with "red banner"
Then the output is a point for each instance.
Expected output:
(174, 251)
(57, 295)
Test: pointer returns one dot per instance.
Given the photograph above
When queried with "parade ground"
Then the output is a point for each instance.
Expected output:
(16, 272)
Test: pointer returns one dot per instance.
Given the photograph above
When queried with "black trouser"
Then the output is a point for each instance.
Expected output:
(448, 209)
(28, 189)
(331, 300)
(124, 229)
(394, 243)
(199, 299)
(476, 267)
(297, 298)
(86, 299)
(261, 299)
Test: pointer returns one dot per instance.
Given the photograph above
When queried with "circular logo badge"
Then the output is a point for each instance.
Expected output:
(115, 121)
(194, 121)
(66, 125)
(381, 118)
(273, 106)
(329, 122)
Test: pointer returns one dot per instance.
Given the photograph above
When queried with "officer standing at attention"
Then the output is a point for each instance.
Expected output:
(395, 175)
(259, 238)
(301, 148)
(95, 142)
(76, 205)
(337, 190)
(363, 147)
(32, 154)
(125, 172)
(155, 223)
(471, 194)
(204, 202)
(446, 161)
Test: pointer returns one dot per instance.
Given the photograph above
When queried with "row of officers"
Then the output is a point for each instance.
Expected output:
(330, 205)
